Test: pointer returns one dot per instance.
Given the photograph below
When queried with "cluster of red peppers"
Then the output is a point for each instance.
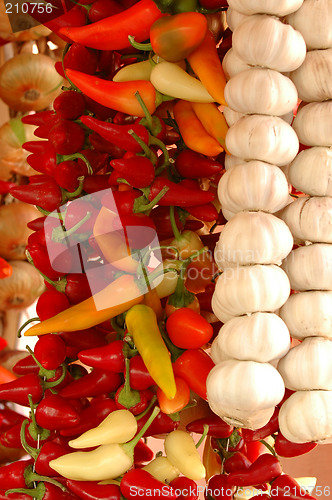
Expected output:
(112, 158)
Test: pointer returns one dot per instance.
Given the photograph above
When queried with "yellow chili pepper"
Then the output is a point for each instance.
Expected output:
(162, 469)
(115, 299)
(192, 131)
(108, 461)
(141, 70)
(173, 81)
(118, 427)
(212, 120)
(142, 325)
(210, 461)
(181, 451)
(206, 63)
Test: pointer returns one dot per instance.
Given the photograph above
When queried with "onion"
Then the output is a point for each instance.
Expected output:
(29, 82)
(13, 229)
(12, 157)
(22, 288)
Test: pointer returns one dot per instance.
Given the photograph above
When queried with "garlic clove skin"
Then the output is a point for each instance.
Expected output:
(266, 138)
(231, 116)
(305, 417)
(261, 91)
(248, 289)
(313, 123)
(311, 171)
(231, 160)
(253, 238)
(308, 314)
(310, 267)
(234, 17)
(313, 19)
(233, 64)
(309, 219)
(253, 186)
(263, 40)
(259, 387)
(313, 79)
(266, 338)
(273, 7)
(307, 366)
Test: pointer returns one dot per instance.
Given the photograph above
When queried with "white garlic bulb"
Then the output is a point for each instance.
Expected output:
(313, 79)
(311, 171)
(274, 7)
(233, 64)
(313, 124)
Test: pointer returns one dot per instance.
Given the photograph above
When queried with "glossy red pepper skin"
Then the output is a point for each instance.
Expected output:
(8, 418)
(206, 212)
(84, 339)
(218, 488)
(6, 186)
(124, 200)
(67, 137)
(109, 357)
(161, 217)
(285, 448)
(40, 118)
(26, 366)
(101, 9)
(102, 146)
(140, 378)
(50, 351)
(92, 416)
(93, 384)
(51, 303)
(92, 490)
(187, 487)
(192, 165)
(41, 260)
(69, 105)
(55, 413)
(264, 469)
(118, 134)
(67, 173)
(14, 496)
(237, 461)
(217, 427)
(80, 58)
(112, 33)
(270, 428)
(162, 424)
(284, 486)
(142, 453)
(139, 481)
(17, 391)
(12, 437)
(138, 170)
(139, 402)
(37, 224)
(193, 366)
(14, 475)
(178, 195)
(49, 451)
(47, 193)
(74, 17)
(95, 183)
(45, 162)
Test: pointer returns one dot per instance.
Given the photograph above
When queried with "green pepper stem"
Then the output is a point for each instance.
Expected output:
(78, 155)
(203, 436)
(176, 232)
(146, 47)
(20, 330)
(68, 196)
(146, 112)
(147, 409)
(269, 447)
(147, 151)
(60, 286)
(129, 447)
(127, 396)
(48, 385)
(33, 452)
(42, 371)
(161, 145)
(58, 234)
(148, 206)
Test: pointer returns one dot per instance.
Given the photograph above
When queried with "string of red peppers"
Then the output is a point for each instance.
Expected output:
(143, 160)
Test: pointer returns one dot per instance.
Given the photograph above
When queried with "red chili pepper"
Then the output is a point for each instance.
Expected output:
(101, 9)
(45, 162)
(92, 416)
(67, 174)
(51, 303)
(109, 357)
(253, 449)
(67, 137)
(118, 134)
(161, 217)
(285, 448)
(97, 160)
(134, 401)
(42, 456)
(42, 262)
(84, 339)
(284, 486)
(192, 165)
(6, 186)
(266, 468)
(47, 491)
(94, 383)
(218, 488)
(74, 17)
(270, 428)
(39, 118)
(17, 390)
(187, 487)
(43, 130)
(142, 453)
(193, 366)
(36, 224)
(162, 424)
(95, 183)
(54, 413)
(47, 194)
(112, 33)
(12, 437)
(50, 351)
(226, 42)
(124, 200)
(102, 146)
(80, 58)
(237, 461)
(9, 418)
(217, 427)
(206, 212)
(69, 105)
(92, 490)
(140, 482)
(140, 378)
(138, 170)
(15, 475)
(13, 496)
(25, 366)
(6, 270)
(187, 329)
(178, 195)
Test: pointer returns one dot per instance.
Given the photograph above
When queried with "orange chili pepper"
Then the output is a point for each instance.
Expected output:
(6, 375)
(206, 63)
(212, 120)
(193, 132)
(180, 400)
